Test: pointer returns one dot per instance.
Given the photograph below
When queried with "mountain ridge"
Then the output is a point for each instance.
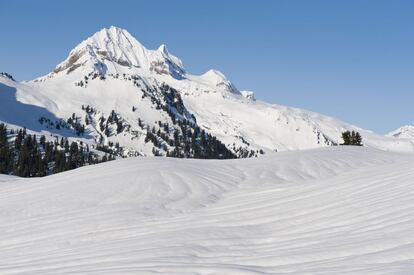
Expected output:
(404, 132)
(112, 48)
(146, 103)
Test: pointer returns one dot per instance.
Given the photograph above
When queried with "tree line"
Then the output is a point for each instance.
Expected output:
(27, 155)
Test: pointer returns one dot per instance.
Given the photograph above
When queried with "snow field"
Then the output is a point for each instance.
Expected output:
(324, 211)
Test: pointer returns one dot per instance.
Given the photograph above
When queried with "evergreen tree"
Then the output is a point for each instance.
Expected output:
(66, 146)
(30, 156)
(346, 136)
(356, 138)
(352, 138)
(6, 156)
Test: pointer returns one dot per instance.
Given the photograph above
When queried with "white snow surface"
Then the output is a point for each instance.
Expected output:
(404, 132)
(248, 94)
(339, 210)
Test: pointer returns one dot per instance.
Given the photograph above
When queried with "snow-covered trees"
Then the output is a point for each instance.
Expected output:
(188, 141)
(76, 125)
(32, 156)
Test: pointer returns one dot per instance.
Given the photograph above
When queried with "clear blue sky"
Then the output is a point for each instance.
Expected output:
(353, 60)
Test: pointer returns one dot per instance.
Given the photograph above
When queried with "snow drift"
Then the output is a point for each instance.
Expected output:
(326, 211)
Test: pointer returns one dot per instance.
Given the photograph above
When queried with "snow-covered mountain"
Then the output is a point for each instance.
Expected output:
(113, 91)
(404, 132)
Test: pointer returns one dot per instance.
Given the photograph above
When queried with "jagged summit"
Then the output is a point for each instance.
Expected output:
(115, 50)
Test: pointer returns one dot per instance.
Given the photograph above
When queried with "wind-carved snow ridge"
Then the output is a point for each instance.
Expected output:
(330, 211)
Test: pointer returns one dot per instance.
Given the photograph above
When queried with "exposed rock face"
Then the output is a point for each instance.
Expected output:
(6, 75)
(70, 64)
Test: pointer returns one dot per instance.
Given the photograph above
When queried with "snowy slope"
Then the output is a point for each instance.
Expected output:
(324, 211)
(404, 132)
(112, 71)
